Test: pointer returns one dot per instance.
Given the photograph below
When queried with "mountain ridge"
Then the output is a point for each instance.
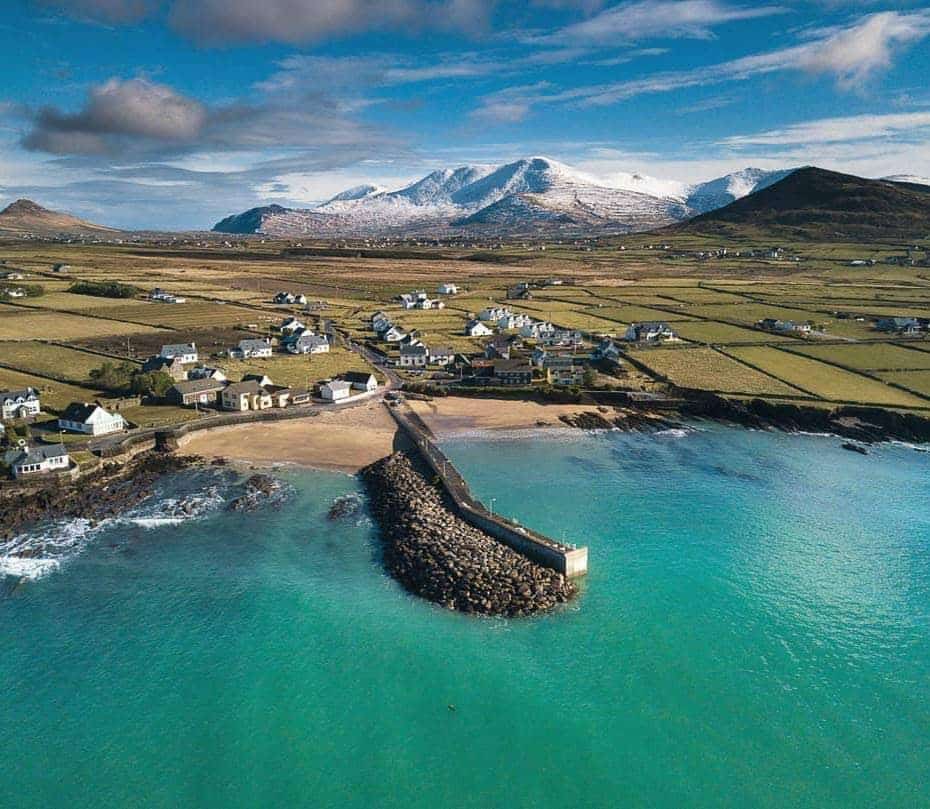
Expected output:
(25, 217)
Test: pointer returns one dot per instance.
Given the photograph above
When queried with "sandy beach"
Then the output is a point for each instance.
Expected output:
(450, 415)
(343, 440)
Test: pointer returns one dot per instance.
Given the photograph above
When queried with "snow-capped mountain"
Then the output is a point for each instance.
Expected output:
(709, 196)
(528, 196)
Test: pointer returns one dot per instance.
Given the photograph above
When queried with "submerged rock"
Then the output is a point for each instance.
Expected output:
(435, 554)
(346, 506)
(260, 490)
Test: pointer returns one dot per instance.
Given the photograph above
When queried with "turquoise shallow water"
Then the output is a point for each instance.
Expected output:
(755, 631)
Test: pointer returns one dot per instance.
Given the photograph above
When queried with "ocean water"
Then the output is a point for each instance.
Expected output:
(754, 631)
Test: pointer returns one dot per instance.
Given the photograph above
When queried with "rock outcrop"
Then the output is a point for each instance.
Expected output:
(438, 556)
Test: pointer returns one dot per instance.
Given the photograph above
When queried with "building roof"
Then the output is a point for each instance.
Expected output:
(198, 386)
(245, 386)
(14, 395)
(337, 384)
(413, 350)
(511, 366)
(179, 348)
(34, 454)
(253, 344)
(79, 411)
(357, 376)
(441, 351)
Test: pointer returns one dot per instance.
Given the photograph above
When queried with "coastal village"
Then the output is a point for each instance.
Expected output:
(90, 357)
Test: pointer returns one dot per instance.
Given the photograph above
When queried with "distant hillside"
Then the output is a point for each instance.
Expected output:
(813, 203)
(25, 217)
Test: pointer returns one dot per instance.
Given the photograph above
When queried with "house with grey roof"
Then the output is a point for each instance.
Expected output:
(41, 459)
(307, 343)
(90, 419)
(186, 352)
(251, 349)
(193, 392)
(19, 404)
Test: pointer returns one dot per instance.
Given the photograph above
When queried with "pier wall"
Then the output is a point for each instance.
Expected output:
(564, 558)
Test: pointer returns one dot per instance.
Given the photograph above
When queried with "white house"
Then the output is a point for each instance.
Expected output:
(475, 328)
(360, 380)
(158, 294)
(608, 351)
(251, 349)
(512, 321)
(413, 356)
(429, 303)
(19, 404)
(394, 335)
(441, 355)
(284, 298)
(650, 332)
(336, 390)
(308, 343)
(186, 352)
(27, 461)
(407, 300)
(291, 324)
(447, 289)
(493, 313)
(16, 293)
(90, 419)
(536, 329)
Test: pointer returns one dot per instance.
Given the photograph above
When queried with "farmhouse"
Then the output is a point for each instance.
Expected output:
(307, 343)
(441, 355)
(161, 296)
(19, 404)
(336, 390)
(607, 351)
(413, 356)
(907, 326)
(447, 289)
(251, 349)
(90, 419)
(186, 352)
(360, 380)
(245, 395)
(393, 335)
(290, 325)
(651, 332)
(27, 461)
(195, 392)
(475, 328)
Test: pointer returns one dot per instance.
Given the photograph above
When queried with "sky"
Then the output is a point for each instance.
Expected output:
(172, 114)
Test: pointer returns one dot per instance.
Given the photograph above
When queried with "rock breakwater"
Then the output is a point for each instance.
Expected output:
(436, 555)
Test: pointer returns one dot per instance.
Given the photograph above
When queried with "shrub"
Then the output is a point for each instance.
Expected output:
(104, 289)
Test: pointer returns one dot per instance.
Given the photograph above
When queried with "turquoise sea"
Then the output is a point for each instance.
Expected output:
(754, 632)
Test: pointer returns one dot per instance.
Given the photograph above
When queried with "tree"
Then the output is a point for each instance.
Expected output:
(112, 376)
(156, 384)
(589, 380)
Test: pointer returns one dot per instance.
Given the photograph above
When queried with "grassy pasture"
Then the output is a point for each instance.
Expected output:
(54, 395)
(709, 369)
(822, 380)
(57, 361)
(870, 356)
(297, 371)
(711, 332)
(917, 381)
(23, 324)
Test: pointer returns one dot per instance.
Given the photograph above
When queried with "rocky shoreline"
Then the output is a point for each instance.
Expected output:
(114, 490)
(438, 556)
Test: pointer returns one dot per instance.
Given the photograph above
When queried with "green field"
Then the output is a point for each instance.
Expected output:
(870, 356)
(69, 364)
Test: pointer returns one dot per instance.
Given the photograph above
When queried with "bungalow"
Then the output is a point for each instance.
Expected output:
(360, 380)
(245, 395)
(784, 326)
(251, 349)
(407, 300)
(447, 289)
(19, 404)
(301, 397)
(172, 366)
(186, 352)
(429, 303)
(393, 335)
(26, 461)
(307, 343)
(512, 372)
(381, 324)
(283, 298)
(290, 325)
(280, 395)
(158, 294)
(441, 355)
(475, 328)
(61, 268)
(651, 332)
(335, 390)
(90, 419)
(413, 356)
(204, 372)
(195, 392)
(300, 300)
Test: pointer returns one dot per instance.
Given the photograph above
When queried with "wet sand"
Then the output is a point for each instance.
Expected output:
(450, 415)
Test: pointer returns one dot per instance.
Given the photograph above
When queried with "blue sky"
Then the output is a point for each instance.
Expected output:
(174, 113)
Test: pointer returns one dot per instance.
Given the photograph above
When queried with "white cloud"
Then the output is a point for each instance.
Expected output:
(836, 130)
(667, 19)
